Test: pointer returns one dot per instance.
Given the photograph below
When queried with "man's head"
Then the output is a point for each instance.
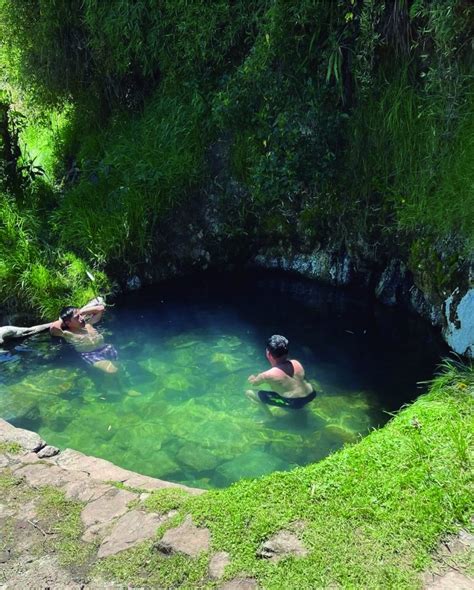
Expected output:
(71, 317)
(277, 347)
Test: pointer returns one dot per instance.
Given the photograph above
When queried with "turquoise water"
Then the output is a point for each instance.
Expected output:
(179, 412)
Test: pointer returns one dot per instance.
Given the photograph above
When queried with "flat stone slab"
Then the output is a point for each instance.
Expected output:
(39, 474)
(129, 530)
(281, 545)
(111, 505)
(86, 490)
(102, 470)
(217, 565)
(187, 539)
(450, 581)
(30, 441)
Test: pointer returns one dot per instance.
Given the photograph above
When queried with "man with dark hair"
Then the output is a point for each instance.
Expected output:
(286, 378)
(76, 327)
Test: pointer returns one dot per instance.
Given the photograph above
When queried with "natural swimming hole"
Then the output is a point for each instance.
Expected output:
(186, 349)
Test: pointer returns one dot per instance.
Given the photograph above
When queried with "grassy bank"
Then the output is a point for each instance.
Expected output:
(370, 515)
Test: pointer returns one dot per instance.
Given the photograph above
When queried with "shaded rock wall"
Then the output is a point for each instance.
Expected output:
(392, 285)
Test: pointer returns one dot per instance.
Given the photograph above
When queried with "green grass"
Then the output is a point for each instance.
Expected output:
(145, 567)
(163, 501)
(62, 517)
(149, 163)
(370, 515)
(10, 447)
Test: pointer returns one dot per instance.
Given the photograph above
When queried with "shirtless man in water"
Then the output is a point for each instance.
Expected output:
(286, 378)
(76, 327)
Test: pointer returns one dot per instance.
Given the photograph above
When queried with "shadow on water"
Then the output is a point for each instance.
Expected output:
(177, 409)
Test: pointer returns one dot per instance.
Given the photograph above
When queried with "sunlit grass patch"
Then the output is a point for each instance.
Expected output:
(62, 520)
(146, 566)
(10, 447)
(163, 501)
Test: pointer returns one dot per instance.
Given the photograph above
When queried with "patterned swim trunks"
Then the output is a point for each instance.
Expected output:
(107, 352)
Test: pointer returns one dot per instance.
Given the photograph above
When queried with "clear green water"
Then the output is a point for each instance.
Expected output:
(186, 350)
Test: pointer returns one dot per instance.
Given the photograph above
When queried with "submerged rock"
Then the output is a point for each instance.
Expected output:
(175, 381)
(340, 433)
(197, 457)
(230, 362)
(250, 464)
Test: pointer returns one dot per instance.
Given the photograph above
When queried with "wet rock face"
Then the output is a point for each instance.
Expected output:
(459, 314)
(134, 283)
(326, 266)
(393, 285)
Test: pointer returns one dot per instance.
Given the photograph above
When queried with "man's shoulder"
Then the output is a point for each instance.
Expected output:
(297, 366)
(273, 372)
(55, 329)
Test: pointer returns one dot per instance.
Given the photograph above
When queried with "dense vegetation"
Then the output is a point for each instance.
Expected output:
(127, 128)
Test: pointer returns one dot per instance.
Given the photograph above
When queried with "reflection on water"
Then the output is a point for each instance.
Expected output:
(179, 412)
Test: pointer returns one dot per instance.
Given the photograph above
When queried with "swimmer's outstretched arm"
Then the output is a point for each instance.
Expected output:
(255, 380)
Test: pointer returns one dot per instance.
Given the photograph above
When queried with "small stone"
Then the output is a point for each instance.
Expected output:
(47, 451)
(187, 539)
(280, 545)
(5, 556)
(466, 538)
(217, 565)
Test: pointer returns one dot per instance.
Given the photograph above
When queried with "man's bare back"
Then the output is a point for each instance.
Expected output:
(286, 378)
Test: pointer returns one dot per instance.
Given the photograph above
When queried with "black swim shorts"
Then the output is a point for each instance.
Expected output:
(275, 399)
(104, 353)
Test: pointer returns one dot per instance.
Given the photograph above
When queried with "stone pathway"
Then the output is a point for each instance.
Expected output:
(112, 518)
